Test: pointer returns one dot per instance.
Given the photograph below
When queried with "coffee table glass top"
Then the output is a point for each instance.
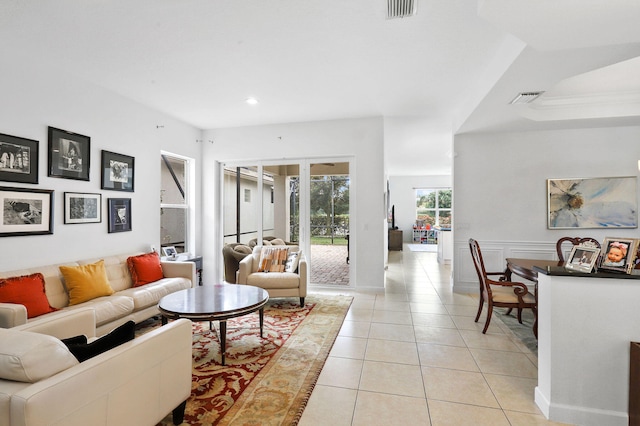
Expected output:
(213, 301)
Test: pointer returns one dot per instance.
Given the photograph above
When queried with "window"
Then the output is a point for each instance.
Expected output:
(175, 199)
(433, 206)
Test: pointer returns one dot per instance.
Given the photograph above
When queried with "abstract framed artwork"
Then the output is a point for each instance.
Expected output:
(82, 208)
(619, 254)
(117, 171)
(119, 214)
(18, 159)
(26, 211)
(609, 202)
(69, 154)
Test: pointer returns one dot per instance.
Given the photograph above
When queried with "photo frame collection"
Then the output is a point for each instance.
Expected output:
(615, 255)
(27, 211)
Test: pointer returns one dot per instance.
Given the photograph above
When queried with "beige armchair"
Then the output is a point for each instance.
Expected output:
(277, 284)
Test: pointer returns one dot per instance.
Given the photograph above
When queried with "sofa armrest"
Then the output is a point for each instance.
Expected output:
(174, 269)
(302, 272)
(246, 268)
(65, 324)
(136, 383)
(12, 314)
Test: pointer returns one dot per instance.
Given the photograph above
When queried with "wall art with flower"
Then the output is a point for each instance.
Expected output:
(610, 202)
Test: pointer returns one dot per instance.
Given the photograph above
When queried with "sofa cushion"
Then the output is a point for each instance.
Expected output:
(273, 280)
(27, 290)
(86, 282)
(145, 268)
(273, 259)
(108, 308)
(30, 357)
(277, 242)
(84, 351)
(151, 294)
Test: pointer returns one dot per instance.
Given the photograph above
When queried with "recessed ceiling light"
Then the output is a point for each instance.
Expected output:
(252, 101)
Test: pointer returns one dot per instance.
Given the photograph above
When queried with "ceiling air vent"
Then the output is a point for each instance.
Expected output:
(525, 97)
(401, 8)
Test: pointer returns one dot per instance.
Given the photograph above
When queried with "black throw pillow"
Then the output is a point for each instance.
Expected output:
(84, 351)
(75, 340)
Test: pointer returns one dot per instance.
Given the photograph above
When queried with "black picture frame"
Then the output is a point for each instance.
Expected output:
(82, 208)
(117, 171)
(18, 159)
(119, 214)
(69, 154)
(25, 211)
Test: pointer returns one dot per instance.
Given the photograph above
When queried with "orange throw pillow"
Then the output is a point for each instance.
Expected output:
(145, 268)
(27, 290)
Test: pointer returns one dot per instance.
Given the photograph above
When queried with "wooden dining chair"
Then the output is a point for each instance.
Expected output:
(500, 293)
(574, 242)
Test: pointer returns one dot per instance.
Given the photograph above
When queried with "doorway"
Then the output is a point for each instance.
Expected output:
(301, 202)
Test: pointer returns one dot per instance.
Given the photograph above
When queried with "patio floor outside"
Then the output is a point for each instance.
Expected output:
(329, 265)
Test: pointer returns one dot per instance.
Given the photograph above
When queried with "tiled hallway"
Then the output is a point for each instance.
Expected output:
(414, 356)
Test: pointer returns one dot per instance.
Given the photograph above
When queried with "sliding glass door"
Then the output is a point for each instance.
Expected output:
(300, 202)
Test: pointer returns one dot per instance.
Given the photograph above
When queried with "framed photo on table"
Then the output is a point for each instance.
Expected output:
(117, 171)
(18, 159)
(169, 251)
(119, 214)
(69, 154)
(26, 211)
(82, 208)
(583, 258)
(619, 254)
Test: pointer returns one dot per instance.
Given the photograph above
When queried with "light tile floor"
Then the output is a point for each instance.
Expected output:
(414, 356)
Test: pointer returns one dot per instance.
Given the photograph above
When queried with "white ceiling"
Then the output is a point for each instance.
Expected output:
(446, 69)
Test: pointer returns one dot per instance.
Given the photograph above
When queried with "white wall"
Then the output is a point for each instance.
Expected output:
(361, 139)
(33, 99)
(500, 190)
(403, 195)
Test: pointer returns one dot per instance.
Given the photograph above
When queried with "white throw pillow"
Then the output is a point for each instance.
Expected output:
(292, 261)
(29, 357)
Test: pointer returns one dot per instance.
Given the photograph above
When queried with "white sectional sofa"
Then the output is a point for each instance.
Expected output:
(137, 383)
(125, 304)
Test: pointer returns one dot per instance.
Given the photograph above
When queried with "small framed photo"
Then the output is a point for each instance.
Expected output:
(619, 254)
(18, 159)
(169, 251)
(69, 154)
(26, 211)
(119, 214)
(117, 171)
(82, 208)
(583, 258)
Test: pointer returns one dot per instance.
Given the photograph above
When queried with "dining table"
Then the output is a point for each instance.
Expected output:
(525, 269)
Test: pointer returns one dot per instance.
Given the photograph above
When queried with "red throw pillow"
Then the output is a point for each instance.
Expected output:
(27, 290)
(145, 268)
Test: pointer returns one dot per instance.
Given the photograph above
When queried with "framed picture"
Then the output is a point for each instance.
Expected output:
(583, 258)
(69, 154)
(619, 254)
(119, 214)
(592, 203)
(117, 171)
(169, 251)
(18, 159)
(26, 211)
(82, 208)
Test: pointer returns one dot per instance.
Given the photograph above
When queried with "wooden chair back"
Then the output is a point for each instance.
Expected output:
(574, 241)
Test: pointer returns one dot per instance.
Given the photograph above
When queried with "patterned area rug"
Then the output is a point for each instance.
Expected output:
(265, 381)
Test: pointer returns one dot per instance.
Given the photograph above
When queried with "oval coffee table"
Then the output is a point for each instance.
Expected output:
(218, 302)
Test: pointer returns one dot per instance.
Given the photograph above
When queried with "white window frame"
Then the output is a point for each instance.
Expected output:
(189, 200)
